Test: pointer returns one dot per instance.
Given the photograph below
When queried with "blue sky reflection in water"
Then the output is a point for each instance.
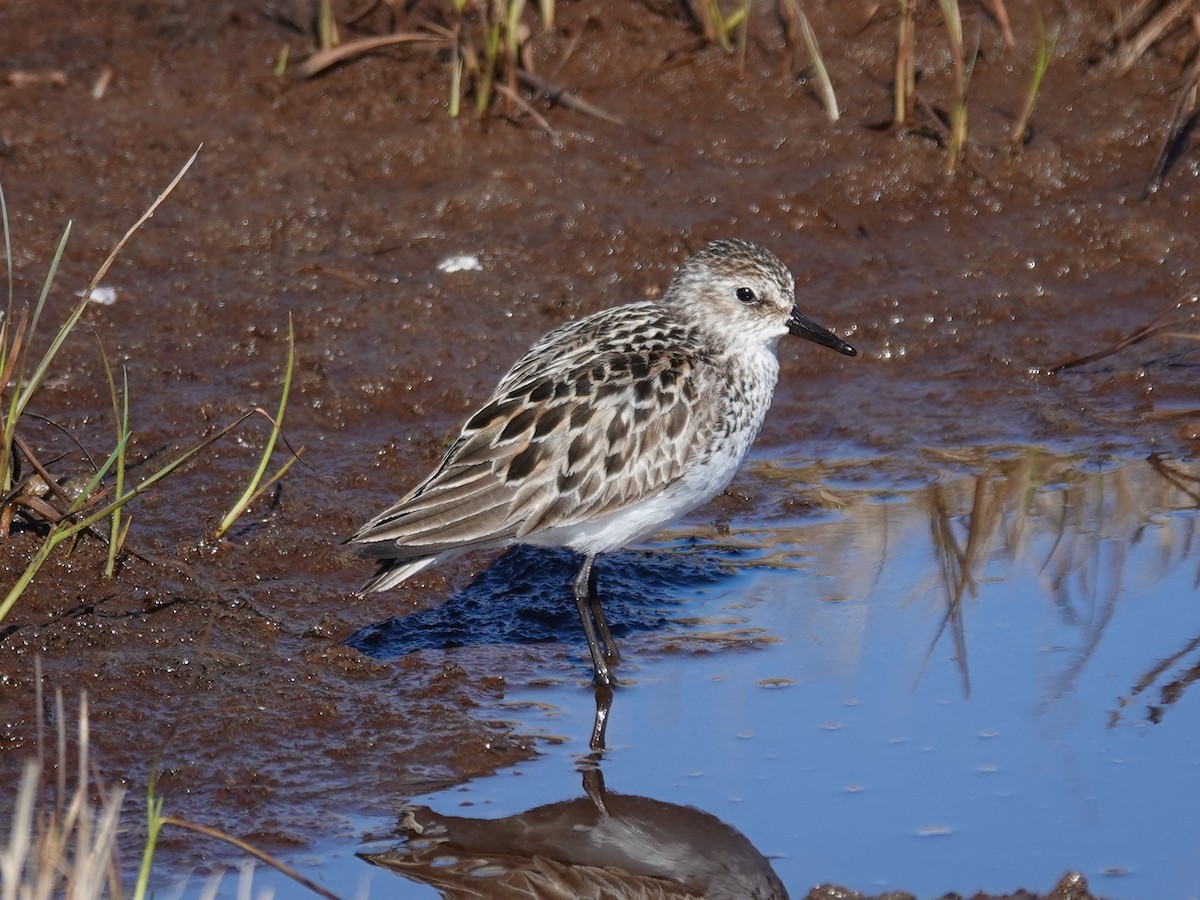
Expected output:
(978, 683)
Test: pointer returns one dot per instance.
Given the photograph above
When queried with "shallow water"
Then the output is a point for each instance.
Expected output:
(973, 684)
(222, 666)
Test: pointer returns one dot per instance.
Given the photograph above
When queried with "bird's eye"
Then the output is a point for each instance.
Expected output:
(746, 295)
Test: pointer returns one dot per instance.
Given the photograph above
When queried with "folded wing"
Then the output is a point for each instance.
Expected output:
(588, 435)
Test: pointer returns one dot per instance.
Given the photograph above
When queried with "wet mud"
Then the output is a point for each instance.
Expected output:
(246, 669)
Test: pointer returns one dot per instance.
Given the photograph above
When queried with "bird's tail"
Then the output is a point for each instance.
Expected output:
(393, 571)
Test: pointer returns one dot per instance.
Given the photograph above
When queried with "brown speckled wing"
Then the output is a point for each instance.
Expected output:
(608, 421)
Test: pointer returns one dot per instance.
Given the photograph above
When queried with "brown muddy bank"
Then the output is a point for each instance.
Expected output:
(335, 198)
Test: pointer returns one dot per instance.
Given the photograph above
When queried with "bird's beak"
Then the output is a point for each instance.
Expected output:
(802, 326)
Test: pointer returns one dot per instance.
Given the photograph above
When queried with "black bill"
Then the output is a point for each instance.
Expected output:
(802, 326)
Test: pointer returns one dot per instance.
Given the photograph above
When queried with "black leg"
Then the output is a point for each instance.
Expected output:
(612, 655)
(604, 698)
(595, 626)
(583, 604)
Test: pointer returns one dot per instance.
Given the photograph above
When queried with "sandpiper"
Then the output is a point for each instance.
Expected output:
(609, 428)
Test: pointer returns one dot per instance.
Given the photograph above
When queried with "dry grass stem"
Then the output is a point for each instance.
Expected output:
(251, 850)
(798, 26)
(1000, 13)
(326, 58)
(66, 847)
(517, 100)
(1136, 37)
(327, 33)
(904, 83)
(957, 142)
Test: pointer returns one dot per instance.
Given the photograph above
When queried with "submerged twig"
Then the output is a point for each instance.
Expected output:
(517, 100)
(564, 98)
(1159, 324)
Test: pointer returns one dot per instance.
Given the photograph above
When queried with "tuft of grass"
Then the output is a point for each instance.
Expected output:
(497, 61)
(16, 378)
(486, 43)
(65, 847)
(20, 380)
(1046, 45)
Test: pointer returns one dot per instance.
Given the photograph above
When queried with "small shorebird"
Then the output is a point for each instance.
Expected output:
(609, 428)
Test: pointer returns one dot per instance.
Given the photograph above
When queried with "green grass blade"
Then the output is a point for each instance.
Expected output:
(512, 30)
(279, 473)
(98, 476)
(35, 381)
(23, 389)
(154, 823)
(121, 423)
(8, 309)
(487, 75)
(1041, 64)
(252, 489)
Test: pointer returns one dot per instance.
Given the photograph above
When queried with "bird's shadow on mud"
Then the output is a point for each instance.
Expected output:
(524, 597)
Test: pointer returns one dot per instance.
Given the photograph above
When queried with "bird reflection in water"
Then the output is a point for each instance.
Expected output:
(599, 845)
